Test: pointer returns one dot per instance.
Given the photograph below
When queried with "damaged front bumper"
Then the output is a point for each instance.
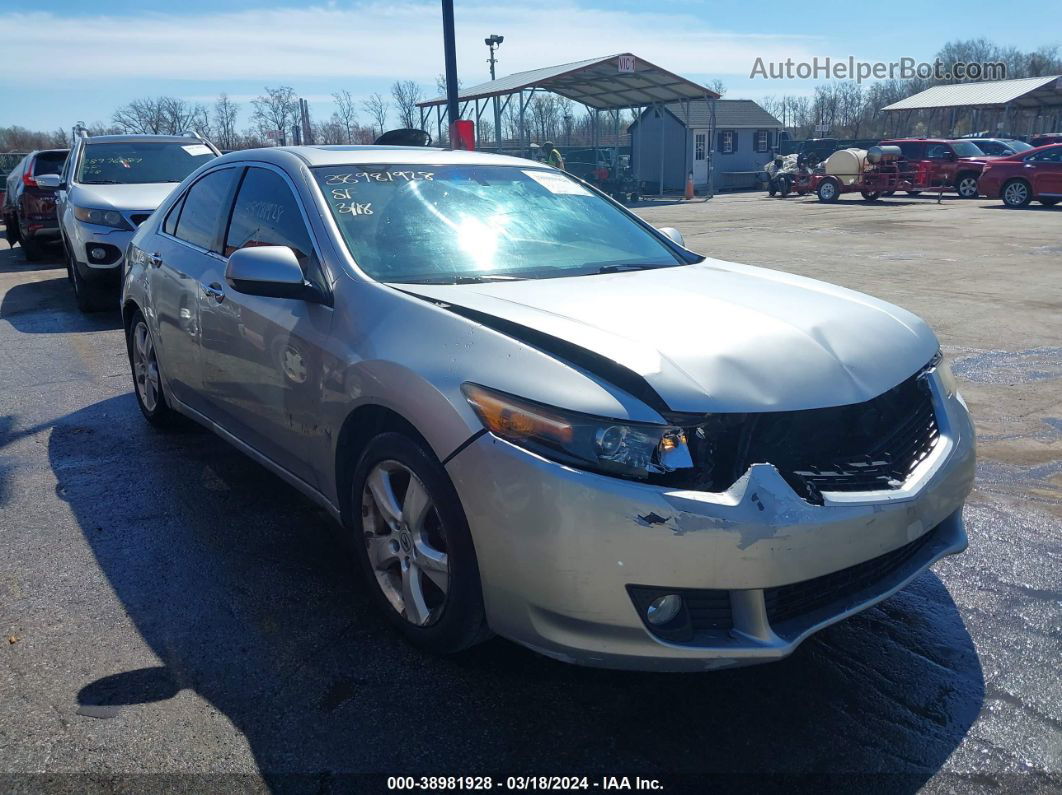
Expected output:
(567, 557)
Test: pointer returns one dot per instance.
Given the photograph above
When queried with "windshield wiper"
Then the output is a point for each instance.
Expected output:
(488, 278)
(101, 182)
(629, 266)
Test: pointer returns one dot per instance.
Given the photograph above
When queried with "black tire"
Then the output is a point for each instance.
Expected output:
(1049, 202)
(784, 187)
(32, 251)
(1015, 193)
(871, 195)
(829, 190)
(11, 228)
(89, 298)
(160, 413)
(966, 186)
(914, 193)
(459, 622)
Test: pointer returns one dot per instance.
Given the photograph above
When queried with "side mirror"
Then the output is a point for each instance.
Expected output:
(672, 234)
(49, 181)
(270, 271)
(949, 156)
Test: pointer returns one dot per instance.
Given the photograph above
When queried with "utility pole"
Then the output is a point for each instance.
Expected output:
(493, 41)
(450, 53)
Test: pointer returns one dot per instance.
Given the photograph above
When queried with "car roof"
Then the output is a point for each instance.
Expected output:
(121, 139)
(357, 155)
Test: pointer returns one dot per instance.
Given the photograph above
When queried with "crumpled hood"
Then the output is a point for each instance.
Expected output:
(122, 197)
(719, 336)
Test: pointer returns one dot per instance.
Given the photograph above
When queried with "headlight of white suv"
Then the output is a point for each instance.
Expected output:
(615, 447)
(111, 218)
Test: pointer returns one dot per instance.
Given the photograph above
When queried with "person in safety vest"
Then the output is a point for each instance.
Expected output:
(552, 155)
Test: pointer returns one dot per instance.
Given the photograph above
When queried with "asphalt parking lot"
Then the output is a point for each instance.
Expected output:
(167, 606)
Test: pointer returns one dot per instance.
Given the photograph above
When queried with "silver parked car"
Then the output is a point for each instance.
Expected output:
(537, 416)
(109, 186)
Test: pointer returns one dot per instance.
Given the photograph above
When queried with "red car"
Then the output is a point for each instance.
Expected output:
(1020, 178)
(940, 161)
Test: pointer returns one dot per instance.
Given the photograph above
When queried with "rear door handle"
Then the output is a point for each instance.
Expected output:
(215, 291)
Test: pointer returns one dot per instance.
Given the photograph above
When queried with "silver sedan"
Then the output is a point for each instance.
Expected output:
(537, 416)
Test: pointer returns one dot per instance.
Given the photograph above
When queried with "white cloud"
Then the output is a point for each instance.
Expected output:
(377, 41)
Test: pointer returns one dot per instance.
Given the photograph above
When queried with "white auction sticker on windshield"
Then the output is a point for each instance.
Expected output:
(556, 182)
(196, 149)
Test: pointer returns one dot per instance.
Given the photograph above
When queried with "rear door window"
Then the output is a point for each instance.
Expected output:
(266, 213)
(205, 208)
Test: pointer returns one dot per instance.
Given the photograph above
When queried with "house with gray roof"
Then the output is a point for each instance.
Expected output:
(725, 140)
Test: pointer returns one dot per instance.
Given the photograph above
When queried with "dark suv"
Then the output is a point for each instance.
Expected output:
(29, 209)
(953, 164)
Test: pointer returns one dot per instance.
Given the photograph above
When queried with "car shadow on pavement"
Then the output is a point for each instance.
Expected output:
(238, 585)
(49, 307)
(12, 260)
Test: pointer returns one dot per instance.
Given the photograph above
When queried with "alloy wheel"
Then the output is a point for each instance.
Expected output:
(145, 367)
(406, 542)
(1016, 194)
(968, 187)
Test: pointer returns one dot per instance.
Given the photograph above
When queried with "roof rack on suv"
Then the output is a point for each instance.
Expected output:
(192, 134)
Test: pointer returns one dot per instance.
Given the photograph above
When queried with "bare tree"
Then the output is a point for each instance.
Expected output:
(346, 113)
(376, 107)
(277, 109)
(406, 94)
(718, 87)
(225, 114)
(142, 117)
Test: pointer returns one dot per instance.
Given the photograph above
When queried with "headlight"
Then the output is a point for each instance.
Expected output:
(628, 449)
(111, 218)
(947, 377)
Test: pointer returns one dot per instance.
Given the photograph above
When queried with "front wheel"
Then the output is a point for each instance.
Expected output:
(828, 191)
(143, 360)
(966, 186)
(415, 547)
(1016, 193)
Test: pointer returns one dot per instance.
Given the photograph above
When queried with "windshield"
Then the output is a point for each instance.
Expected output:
(966, 149)
(141, 162)
(447, 224)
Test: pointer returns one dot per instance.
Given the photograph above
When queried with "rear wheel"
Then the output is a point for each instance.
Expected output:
(1049, 202)
(966, 186)
(871, 195)
(32, 251)
(1016, 193)
(415, 547)
(914, 193)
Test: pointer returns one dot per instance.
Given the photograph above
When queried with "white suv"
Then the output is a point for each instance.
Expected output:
(110, 185)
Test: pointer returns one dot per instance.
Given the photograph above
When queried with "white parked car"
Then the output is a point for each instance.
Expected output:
(109, 186)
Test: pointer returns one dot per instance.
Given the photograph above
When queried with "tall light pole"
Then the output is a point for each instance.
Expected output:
(494, 41)
(450, 55)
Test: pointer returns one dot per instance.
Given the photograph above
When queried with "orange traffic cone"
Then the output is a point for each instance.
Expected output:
(689, 186)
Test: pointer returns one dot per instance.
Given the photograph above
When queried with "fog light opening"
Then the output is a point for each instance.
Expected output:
(98, 253)
(663, 609)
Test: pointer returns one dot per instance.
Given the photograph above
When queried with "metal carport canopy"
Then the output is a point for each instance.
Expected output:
(1028, 92)
(597, 83)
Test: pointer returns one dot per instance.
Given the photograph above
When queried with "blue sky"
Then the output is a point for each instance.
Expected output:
(71, 60)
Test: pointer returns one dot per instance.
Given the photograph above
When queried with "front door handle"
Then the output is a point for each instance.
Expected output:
(156, 259)
(215, 291)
